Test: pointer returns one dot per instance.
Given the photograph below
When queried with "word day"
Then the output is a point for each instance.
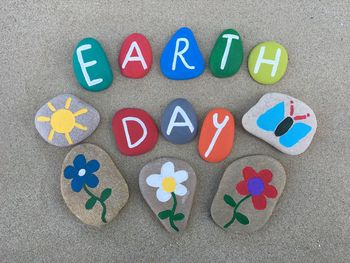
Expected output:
(181, 59)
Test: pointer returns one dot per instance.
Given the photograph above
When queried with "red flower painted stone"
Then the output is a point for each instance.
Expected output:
(248, 193)
(135, 131)
(135, 56)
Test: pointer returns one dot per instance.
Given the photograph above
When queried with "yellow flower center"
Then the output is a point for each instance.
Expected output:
(169, 184)
(62, 121)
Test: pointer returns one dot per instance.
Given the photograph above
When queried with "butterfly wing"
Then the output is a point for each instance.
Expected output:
(295, 134)
(269, 120)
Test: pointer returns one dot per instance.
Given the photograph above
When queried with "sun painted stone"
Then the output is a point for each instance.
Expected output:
(181, 58)
(179, 123)
(286, 123)
(135, 131)
(66, 120)
(217, 135)
(92, 186)
(91, 66)
(267, 62)
(227, 55)
(168, 186)
(248, 193)
(135, 56)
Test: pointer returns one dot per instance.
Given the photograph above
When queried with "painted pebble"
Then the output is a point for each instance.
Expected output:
(217, 135)
(168, 186)
(227, 55)
(282, 121)
(91, 66)
(181, 58)
(248, 193)
(179, 123)
(66, 120)
(267, 62)
(135, 56)
(135, 131)
(92, 186)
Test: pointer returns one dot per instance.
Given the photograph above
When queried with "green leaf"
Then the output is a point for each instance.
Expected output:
(105, 194)
(229, 200)
(242, 218)
(178, 217)
(164, 214)
(90, 203)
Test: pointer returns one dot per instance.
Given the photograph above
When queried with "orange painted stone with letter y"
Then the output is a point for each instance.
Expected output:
(217, 135)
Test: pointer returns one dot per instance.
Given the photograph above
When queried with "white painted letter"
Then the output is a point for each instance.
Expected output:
(178, 53)
(261, 60)
(85, 65)
(219, 127)
(127, 135)
(139, 56)
(229, 38)
(187, 122)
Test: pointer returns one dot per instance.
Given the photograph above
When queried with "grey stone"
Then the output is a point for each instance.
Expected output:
(168, 186)
(247, 194)
(92, 186)
(66, 120)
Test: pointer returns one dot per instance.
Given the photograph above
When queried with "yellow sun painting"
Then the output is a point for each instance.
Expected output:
(63, 120)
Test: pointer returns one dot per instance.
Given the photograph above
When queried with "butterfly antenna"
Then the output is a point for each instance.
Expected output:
(301, 117)
(291, 108)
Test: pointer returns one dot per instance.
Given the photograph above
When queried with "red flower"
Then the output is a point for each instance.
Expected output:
(257, 185)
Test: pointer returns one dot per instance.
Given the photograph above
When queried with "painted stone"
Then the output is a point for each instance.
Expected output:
(248, 193)
(284, 122)
(168, 186)
(92, 186)
(134, 130)
(217, 135)
(181, 58)
(66, 120)
(227, 55)
(135, 56)
(267, 62)
(91, 66)
(179, 123)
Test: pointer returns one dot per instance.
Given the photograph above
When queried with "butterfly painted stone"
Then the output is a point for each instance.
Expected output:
(248, 193)
(217, 135)
(227, 55)
(91, 65)
(66, 120)
(168, 186)
(283, 121)
(179, 123)
(181, 58)
(267, 62)
(92, 186)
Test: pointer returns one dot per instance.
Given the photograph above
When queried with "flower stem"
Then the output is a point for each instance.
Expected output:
(171, 221)
(235, 210)
(104, 208)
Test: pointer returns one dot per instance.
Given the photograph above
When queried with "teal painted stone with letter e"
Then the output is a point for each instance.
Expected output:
(91, 66)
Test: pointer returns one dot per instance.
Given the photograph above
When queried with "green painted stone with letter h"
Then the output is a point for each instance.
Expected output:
(227, 55)
(91, 66)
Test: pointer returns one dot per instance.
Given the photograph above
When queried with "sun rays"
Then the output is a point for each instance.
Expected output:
(63, 120)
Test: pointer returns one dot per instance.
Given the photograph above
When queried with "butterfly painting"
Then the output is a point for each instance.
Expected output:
(289, 129)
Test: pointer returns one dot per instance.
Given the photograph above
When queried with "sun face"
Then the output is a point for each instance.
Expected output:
(63, 120)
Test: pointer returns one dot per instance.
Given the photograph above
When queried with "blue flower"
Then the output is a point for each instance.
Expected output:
(82, 173)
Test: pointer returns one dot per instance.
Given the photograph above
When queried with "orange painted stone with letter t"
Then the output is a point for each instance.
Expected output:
(217, 135)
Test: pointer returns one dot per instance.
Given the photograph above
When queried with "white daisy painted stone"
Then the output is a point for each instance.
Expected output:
(286, 123)
(168, 186)
(66, 120)
(92, 186)
(248, 193)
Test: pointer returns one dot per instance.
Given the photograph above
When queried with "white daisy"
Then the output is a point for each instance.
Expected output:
(168, 182)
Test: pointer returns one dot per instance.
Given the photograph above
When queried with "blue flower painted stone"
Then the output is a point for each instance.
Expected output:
(179, 123)
(181, 58)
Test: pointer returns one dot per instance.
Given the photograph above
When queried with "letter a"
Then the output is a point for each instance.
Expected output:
(186, 123)
(139, 57)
